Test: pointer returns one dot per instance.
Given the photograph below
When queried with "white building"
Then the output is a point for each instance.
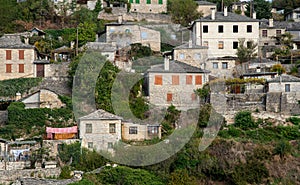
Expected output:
(221, 32)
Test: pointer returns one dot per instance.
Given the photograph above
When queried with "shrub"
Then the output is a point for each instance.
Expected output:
(234, 132)
(294, 120)
(65, 173)
(244, 120)
(283, 148)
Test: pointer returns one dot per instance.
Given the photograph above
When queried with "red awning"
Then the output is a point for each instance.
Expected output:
(67, 130)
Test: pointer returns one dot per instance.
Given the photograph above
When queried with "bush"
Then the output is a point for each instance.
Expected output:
(283, 148)
(65, 173)
(244, 120)
(10, 87)
(294, 120)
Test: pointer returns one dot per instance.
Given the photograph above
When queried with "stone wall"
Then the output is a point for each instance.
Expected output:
(57, 70)
(287, 103)
(134, 16)
(59, 85)
(3, 117)
(8, 176)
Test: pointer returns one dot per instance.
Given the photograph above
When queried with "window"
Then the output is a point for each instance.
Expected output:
(127, 30)
(131, 1)
(249, 28)
(160, 1)
(144, 35)
(197, 56)
(88, 128)
(152, 130)
(287, 88)
(112, 30)
(112, 128)
(110, 145)
(221, 45)
(137, 1)
(235, 28)
(265, 33)
(175, 80)
(198, 80)
(193, 97)
(249, 43)
(181, 55)
(158, 80)
(90, 144)
(265, 44)
(205, 29)
(8, 68)
(8, 54)
(215, 65)
(278, 33)
(148, 1)
(235, 45)
(224, 65)
(21, 54)
(21, 68)
(220, 29)
(169, 97)
(189, 79)
(205, 43)
(132, 130)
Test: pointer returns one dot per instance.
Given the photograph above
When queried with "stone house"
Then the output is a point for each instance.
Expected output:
(284, 83)
(42, 99)
(107, 49)
(239, 6)
(17, 59)
(205, 7)
(124, 34)
(173, 83)
(190, 54)
(148, 6)
(140, 132)
(221, 32)
(293, 15)
(221, 67)
(269, 33)
(100, 130)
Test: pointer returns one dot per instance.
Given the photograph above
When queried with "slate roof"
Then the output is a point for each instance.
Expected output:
(13, 41)
(289, 26)
(177, 67)
(231, 17)
(101, 115)
(186, 46)
(285, 78)
(260, 74)
(199, 2)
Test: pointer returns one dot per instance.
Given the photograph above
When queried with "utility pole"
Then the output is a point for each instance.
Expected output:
(77, 41)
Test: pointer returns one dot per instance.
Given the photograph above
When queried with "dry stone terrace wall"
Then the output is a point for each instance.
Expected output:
(8, 176)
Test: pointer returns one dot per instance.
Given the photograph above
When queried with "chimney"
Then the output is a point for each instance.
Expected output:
(190, 43)
(166, 63)
(120, 19)
(271, 23)
(18, 96)
(26, 40)
(213, 14)
(254, 15)
(225, 11)
(72, 44)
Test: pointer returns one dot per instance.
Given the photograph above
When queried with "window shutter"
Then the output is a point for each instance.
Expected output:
(198, 80)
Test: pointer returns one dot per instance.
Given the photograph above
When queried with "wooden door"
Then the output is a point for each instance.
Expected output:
(40, 71)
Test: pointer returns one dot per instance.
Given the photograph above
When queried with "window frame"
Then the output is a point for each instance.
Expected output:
(198, 79)
(160, 1)
(249, 28)
(88, 128)
(152, 130)
(112, 128)
(90, 145)
(8, 54)
(21, 54)
(264, 33)
(189, 79)
(220, 44)
(169, 97)
(215, 65)
(205, 28)
(133, 130)
(8, 68)
(175, 80)
(158, 80)
(110, 145)
(220, 29)
(224, 64)
(287, 87)
(235, 45)
(21, 68)
(235, 29)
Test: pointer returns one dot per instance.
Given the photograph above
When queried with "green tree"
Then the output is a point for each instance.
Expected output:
(246, 53)
(183, 11)
(86, 33)
(261, 7)
(278, 68)
(244, 120)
